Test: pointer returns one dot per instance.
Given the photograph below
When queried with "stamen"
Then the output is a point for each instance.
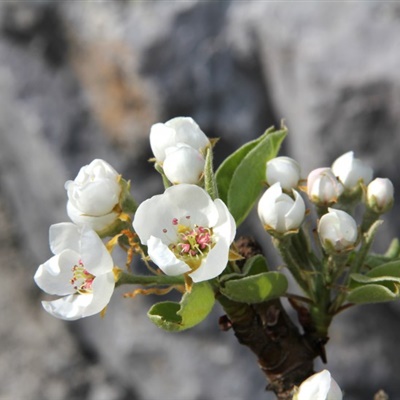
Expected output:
(81, 280)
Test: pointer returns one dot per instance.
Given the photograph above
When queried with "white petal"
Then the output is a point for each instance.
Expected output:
(193, 201)
(284, 170)
(165, 258)
(183, 164)
(214, 263)
(55, 274)
(63, 236)
(316, 387)
(95, 257)
(96, 198)
(296, 214)
(189, 132)
(69, 307)
(103, 288)
(154, 215)
(161, 137)
(96, 223)
(226, 226)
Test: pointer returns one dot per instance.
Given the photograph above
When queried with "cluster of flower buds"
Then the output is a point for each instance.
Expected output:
(332, 190)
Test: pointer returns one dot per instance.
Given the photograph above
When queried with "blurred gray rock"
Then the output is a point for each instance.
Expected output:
(84, 80)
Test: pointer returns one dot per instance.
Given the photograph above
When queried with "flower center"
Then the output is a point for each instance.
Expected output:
(193, 243)
(82, 280)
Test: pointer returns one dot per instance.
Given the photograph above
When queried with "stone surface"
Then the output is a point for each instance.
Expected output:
(86, 80)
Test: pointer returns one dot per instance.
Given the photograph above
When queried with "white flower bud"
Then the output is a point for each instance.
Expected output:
(337, 230)
(380, 195)
(177, 130)
(323, 187)
(93, 195)
(279, 212)
(320, 386)
(351, 170)
(183, 164)
(284, 170)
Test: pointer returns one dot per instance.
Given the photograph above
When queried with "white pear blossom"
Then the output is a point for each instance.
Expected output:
(380, 194)
(323, 187)
(284, 170)
(351, 170)
(279, 211)
(337, 230)
(186, 232)
(320, 386)
(183, 164)
(81, 272)
(177, 130)
(93, 195)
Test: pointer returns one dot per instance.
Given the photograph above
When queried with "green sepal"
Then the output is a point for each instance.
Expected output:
(192, 309)
(378, 285)
(255, 289)
(240, 177)
(126, 201)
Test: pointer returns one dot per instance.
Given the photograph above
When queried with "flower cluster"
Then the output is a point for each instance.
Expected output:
(185, 235)
(186, 231)
(282, 210)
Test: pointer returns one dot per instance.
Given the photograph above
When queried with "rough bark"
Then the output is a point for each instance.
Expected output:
(285, 355)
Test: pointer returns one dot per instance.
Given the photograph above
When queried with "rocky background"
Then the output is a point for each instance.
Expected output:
(81, 80)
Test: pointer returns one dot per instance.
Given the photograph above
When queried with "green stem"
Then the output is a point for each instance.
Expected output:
(153, 280)
(285, 248)
(210, 184)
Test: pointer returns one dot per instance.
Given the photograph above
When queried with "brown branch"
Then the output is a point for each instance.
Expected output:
(285, 355)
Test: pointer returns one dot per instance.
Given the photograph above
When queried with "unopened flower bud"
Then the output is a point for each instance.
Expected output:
(323, 187)
(176, 130)
(320, 386)
(284, 170)
(337, 231)
(280, 212)
(350, 171)
(380, 195)
(93, 195)
(183, 164)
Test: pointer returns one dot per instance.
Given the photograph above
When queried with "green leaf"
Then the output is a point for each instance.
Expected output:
(373, 293)
(192, 309)
(256, 288)
(240, 178)
(378, 285)
(255, 265)
(226, 170)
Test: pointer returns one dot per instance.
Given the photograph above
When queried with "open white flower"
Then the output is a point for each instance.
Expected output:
(186, 232)
(284, 170)
(81, 271)
(93, 195)
(183, 164)
(323, 187)
(351, 171)
(337, 230)
(320, 386)
(279, 212)
(177, 130)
